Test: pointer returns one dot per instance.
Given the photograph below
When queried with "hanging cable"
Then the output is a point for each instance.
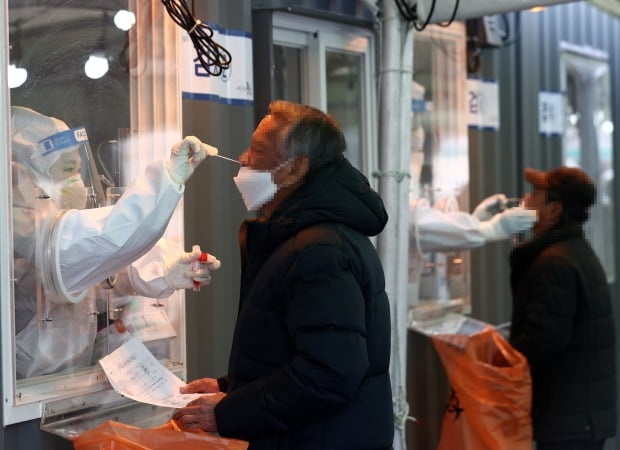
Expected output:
(213, 57)
(454, 11)
(410, 13)
(406, 11)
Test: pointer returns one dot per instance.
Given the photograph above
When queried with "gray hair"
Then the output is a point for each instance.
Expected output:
(309, 132)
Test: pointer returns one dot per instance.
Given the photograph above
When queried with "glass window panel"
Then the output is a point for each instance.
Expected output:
(76, 76)
(87, 93)
(287, 78)
(343, 75)
(439, 163)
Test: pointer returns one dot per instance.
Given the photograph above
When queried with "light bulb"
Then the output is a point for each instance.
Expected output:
(124, 19)
(607, 127)
(17, 76)
(96, 66)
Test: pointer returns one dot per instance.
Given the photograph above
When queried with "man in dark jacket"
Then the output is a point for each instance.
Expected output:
(562, 316)
(309, 365)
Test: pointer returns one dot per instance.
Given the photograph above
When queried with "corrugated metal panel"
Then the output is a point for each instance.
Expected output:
(213, 210)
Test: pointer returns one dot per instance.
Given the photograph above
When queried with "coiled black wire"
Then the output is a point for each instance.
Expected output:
(410, 14)
(213, 57)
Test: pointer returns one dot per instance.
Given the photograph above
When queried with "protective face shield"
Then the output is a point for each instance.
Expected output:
(56, 156)
(256, 186)
(66, 185)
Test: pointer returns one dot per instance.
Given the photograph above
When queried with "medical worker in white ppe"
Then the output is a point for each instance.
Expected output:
(434, 229)
(62, 251)
(443, 228)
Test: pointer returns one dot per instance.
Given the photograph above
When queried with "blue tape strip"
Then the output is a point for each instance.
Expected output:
(216, 98)
(63, 140)
(228, 31)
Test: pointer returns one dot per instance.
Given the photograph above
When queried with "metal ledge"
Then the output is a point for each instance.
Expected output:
(69, 418)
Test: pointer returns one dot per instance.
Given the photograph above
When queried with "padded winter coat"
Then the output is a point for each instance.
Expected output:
(309, 365)
(562, 322)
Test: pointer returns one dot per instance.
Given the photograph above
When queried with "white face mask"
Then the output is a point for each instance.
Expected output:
(256, 187)
(73, 193)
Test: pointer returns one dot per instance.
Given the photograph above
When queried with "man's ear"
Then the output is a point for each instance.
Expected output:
(553, 212)
(294, 172)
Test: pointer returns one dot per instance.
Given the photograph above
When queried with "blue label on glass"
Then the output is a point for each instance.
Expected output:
(64, 139)
(418, 105)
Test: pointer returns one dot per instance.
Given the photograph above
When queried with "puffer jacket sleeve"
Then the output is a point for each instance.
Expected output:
(550, 308)
(325, 318)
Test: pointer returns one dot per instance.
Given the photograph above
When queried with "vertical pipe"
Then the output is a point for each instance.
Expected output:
(518, 105)
(402, 236)
(394, 133)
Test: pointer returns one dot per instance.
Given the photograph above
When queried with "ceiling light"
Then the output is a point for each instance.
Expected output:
(124, 19)
(96, 66)
(17, 76)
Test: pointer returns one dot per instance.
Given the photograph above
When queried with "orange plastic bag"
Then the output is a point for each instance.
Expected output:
(490, 405)
(112, 435)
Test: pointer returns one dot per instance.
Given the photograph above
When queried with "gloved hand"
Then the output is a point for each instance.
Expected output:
(490, 206)
(185, 157)
(507, 223)
(181, 274)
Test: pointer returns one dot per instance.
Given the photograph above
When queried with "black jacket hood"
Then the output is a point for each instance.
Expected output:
(337, 193)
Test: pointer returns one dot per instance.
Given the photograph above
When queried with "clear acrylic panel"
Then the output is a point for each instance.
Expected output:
(94, 100)
(439, 282)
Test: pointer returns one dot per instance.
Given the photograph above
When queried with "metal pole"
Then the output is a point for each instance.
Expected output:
(395, 76)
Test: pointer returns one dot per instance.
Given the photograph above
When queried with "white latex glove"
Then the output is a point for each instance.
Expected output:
(490, 206)
(185, 156)
(507, 223)
(183, 272)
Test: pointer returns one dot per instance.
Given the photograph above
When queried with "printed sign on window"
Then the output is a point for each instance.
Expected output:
(551, 112)
(234, 86)
(482, 104)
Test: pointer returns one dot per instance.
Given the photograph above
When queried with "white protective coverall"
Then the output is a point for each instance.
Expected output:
(435, 230)
(61, 254)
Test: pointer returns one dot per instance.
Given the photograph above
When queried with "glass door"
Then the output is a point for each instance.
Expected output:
(588, 140)
(329, 65)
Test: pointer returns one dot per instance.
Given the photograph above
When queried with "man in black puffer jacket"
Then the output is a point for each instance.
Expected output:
(562, 316)
(309, 365)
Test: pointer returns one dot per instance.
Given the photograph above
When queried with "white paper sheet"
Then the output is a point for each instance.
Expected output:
(134, 372)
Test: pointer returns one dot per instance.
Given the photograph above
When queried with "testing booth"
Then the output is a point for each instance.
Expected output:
(86, 217)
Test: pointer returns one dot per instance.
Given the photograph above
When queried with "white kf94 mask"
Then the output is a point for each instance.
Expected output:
(256, 186)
